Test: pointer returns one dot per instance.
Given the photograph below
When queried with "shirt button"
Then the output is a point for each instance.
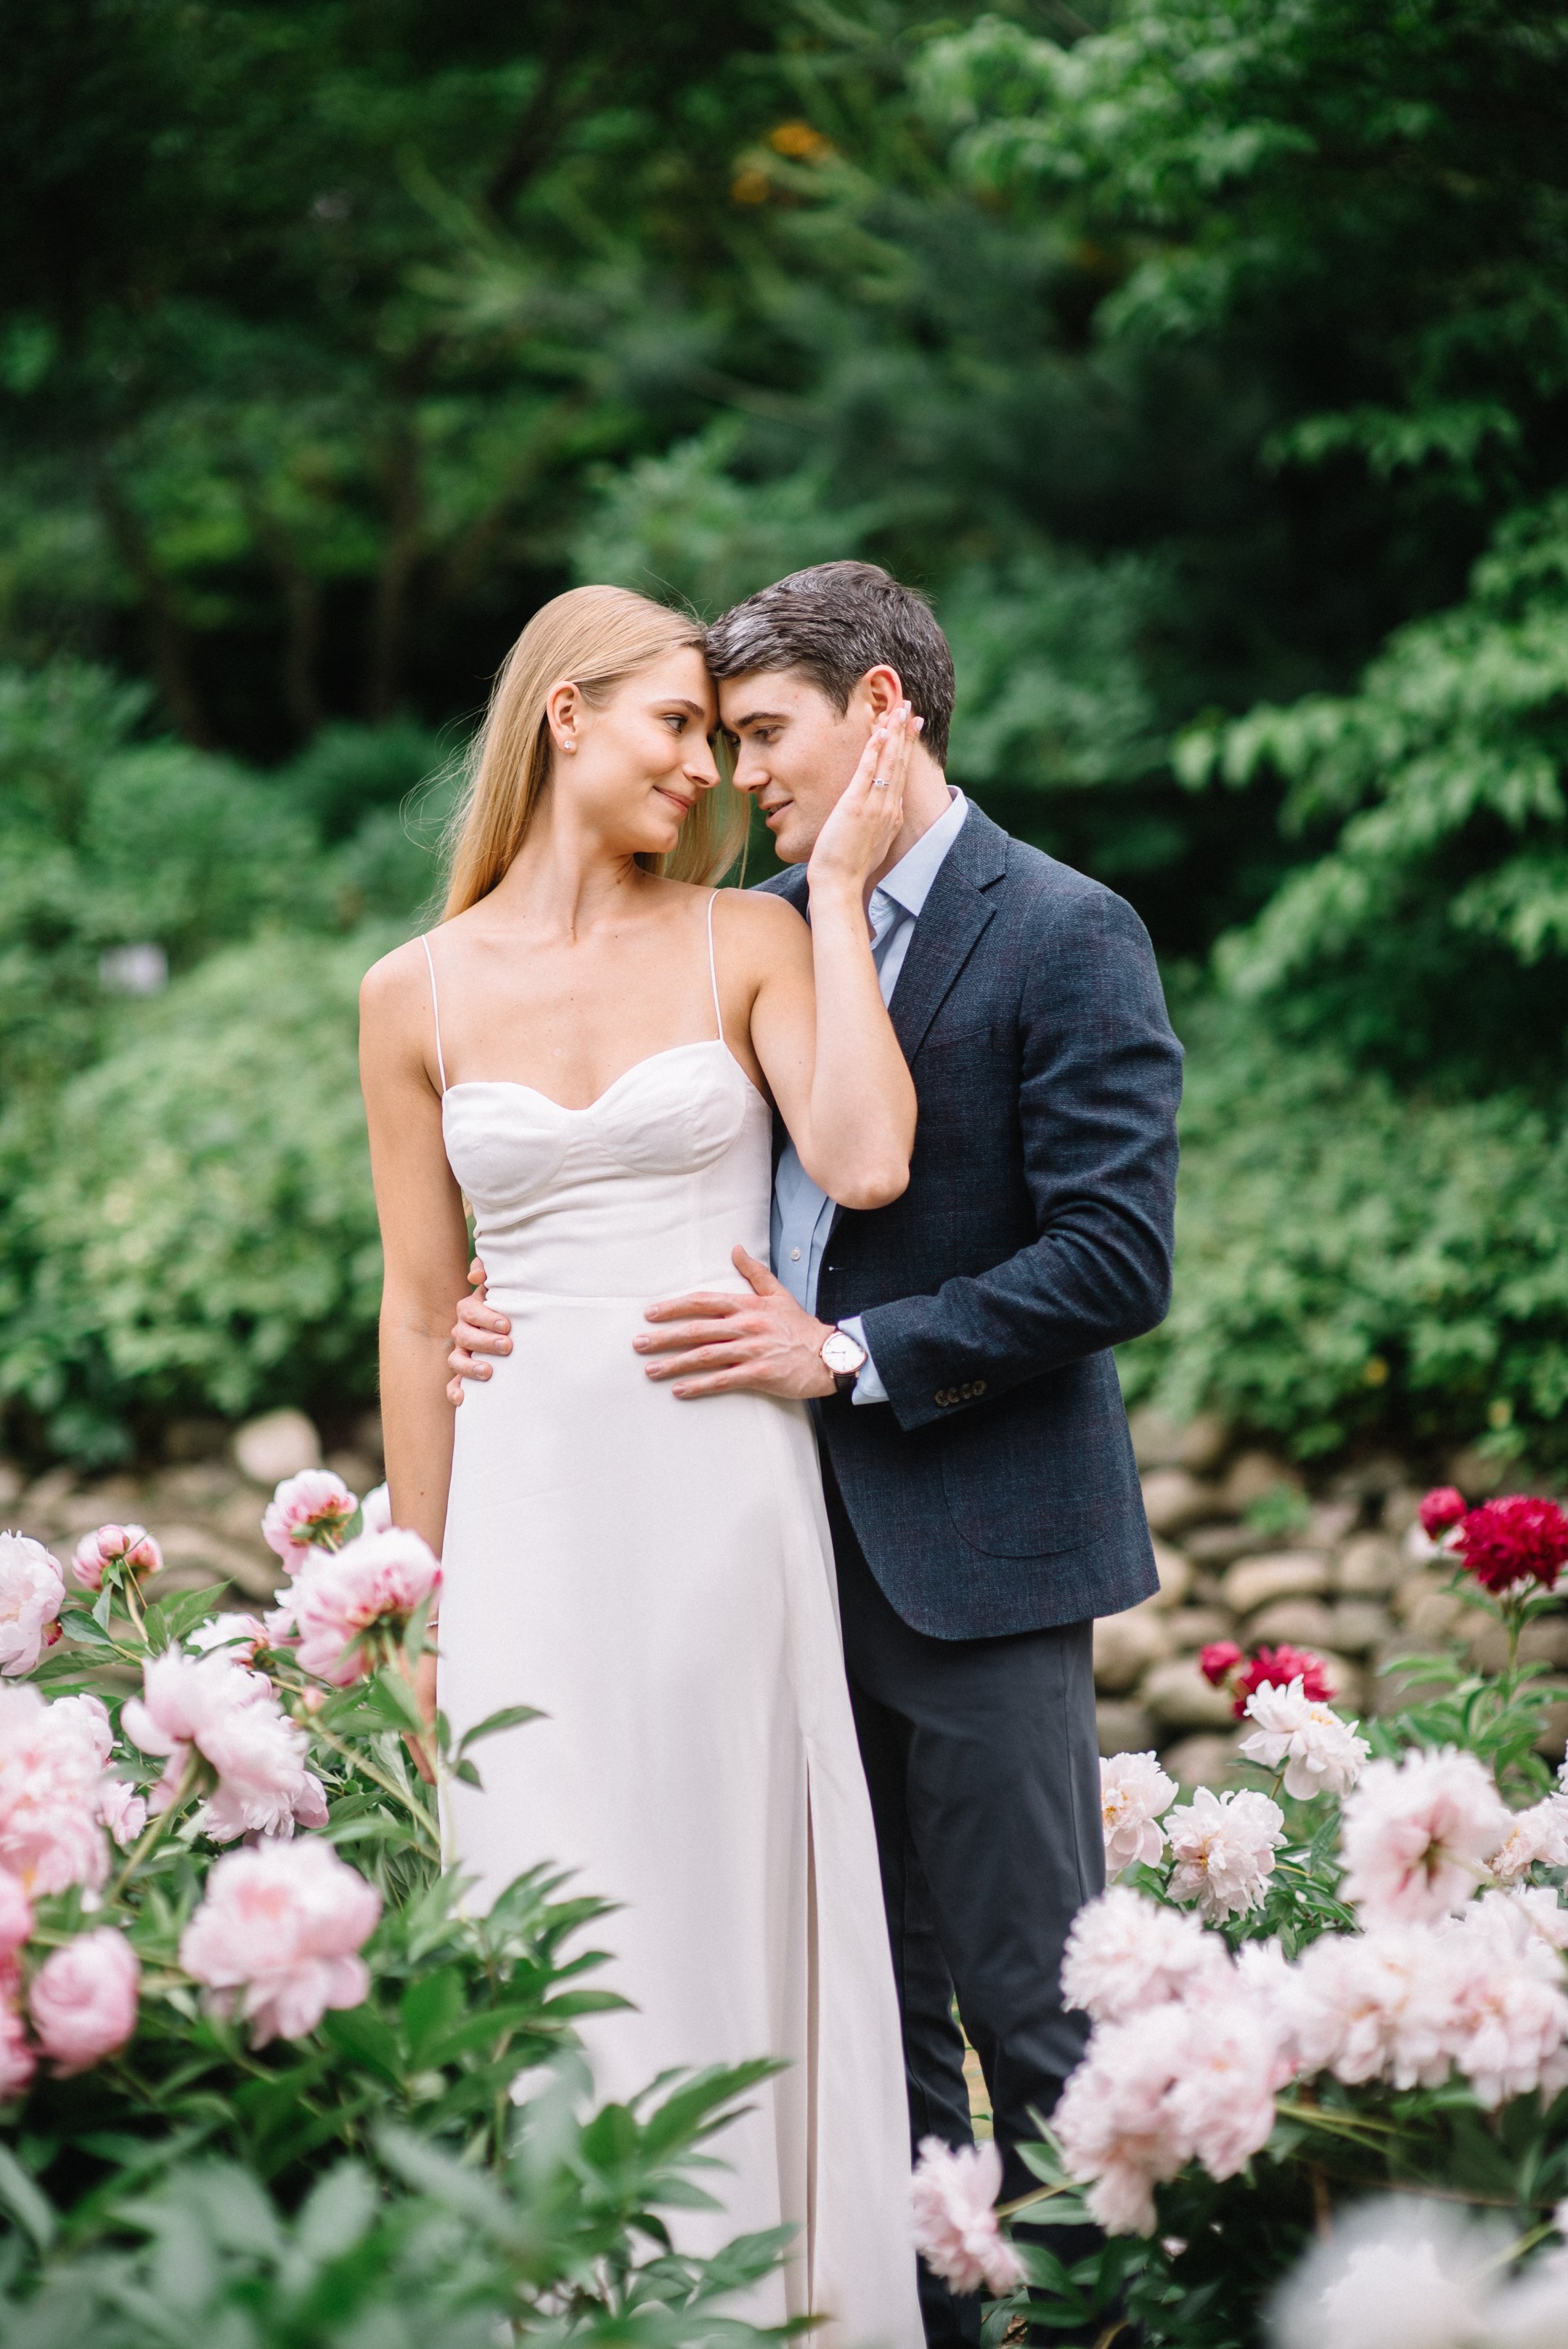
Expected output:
(794, 1255)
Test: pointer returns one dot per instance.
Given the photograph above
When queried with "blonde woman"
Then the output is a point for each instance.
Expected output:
(589, 1049)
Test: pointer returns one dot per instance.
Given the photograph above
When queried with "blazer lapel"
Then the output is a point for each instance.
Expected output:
(951, 922)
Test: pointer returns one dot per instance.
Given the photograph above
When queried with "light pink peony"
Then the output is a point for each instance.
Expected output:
(276, 1939)
(31, 1589)
(1372, 2006)
(18, 2056)
(376, 1511)
(1418, 1834)
(1538, 1837)
(1133, 1792)
(376, 1583)
(1321, 1752)
(83, 1999)
(1170, 2085)
(132, 1547)
(1125, 1953)
(231, 1719)
(1540, 1909)
(1398, 2272)
(1224, 1848)
(16, 1915)
(304, 1511)
(122, 1810)
(239, 1636)
(51, 1773)
(955, 2231)
(1509, 2007)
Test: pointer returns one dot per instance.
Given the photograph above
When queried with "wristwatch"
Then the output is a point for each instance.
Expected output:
(846, 1356)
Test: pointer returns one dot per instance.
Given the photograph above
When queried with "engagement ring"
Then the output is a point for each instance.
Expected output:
(878, 782)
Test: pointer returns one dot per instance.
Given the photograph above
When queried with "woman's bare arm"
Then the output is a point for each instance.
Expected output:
(424, 1237)
(820, 1027)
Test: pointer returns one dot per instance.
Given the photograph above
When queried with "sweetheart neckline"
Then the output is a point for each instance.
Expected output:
(514, 1085)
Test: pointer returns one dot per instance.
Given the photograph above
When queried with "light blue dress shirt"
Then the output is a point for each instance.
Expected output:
(802, 1213)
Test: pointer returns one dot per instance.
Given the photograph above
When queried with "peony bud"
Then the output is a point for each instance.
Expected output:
(132, 1547)
(83, 1999)
(16, 1914)
(1443, 1507)
(1218, 1659)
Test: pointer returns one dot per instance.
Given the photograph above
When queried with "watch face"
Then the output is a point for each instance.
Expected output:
(841, 1353)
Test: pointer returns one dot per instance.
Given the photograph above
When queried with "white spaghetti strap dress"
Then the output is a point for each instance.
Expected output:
(656, 1576)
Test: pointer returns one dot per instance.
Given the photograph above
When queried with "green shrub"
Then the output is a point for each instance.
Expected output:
(1354, 1260)
(107, 841)
(193, 1224)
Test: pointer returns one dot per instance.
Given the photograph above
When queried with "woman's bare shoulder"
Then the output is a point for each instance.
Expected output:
(393, 986)
(771, 921)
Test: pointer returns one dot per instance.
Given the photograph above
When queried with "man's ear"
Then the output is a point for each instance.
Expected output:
(879, 690)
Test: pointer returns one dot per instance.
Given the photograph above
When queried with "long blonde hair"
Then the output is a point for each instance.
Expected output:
(597, 638)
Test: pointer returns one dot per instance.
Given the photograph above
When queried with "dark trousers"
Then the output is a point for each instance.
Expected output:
(983, 1766)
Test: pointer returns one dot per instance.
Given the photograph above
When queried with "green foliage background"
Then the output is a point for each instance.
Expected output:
(1206, 361)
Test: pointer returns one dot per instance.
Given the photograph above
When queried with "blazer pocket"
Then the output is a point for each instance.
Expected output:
(974, 1036)
(1045, 1469)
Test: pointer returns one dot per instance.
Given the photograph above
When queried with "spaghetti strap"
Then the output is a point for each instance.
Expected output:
(713, 968)
(435, 1009)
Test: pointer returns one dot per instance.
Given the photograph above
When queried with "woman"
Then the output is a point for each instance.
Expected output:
(587, 1048)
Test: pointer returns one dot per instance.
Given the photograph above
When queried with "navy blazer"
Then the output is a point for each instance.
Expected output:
(996, 1490)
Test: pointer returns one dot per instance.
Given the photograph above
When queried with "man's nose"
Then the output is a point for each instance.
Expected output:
(749, 771)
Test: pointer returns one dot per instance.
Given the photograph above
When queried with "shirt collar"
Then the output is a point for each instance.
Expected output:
(908, 883)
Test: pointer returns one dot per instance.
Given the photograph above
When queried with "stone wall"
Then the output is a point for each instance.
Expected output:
(1248, 1550)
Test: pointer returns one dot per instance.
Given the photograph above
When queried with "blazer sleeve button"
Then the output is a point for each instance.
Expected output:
(979, 1386)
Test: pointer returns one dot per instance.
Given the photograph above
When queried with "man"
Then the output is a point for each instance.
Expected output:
(980, 1479)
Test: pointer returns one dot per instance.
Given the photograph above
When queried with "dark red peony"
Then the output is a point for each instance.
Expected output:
(1218, 1659)
(1221, 1663)
(1443, 1507)
(1520, 1538)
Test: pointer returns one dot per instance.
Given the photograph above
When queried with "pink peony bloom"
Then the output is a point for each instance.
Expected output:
(1441, 1510)
(18, 2057)
(51, 1772)
(1509, 2004)
(375, 1584)
(956, 2233)
(1539, 1906)
(132, 1547)
(305, 1512)
(122, 1810)
(1371, 2006)
(1125, 1953)
(1322, 1753)
(1170, 2085)
(213, 1708)
(31, 1589)
(1418, 1834)
(1133, 1790)
(16, 1915)
(1400, 2273)
(1218, 1659)
(276, 1939)
(1538, 1837)
(83, 1999)
(376, 1511)
(239, 1636)
(1224, 1848)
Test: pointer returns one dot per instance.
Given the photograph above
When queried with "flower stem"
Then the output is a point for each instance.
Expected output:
(362, 1762)
(156, 1829)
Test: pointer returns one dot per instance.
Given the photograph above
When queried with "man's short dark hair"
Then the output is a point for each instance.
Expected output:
(833, 623)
